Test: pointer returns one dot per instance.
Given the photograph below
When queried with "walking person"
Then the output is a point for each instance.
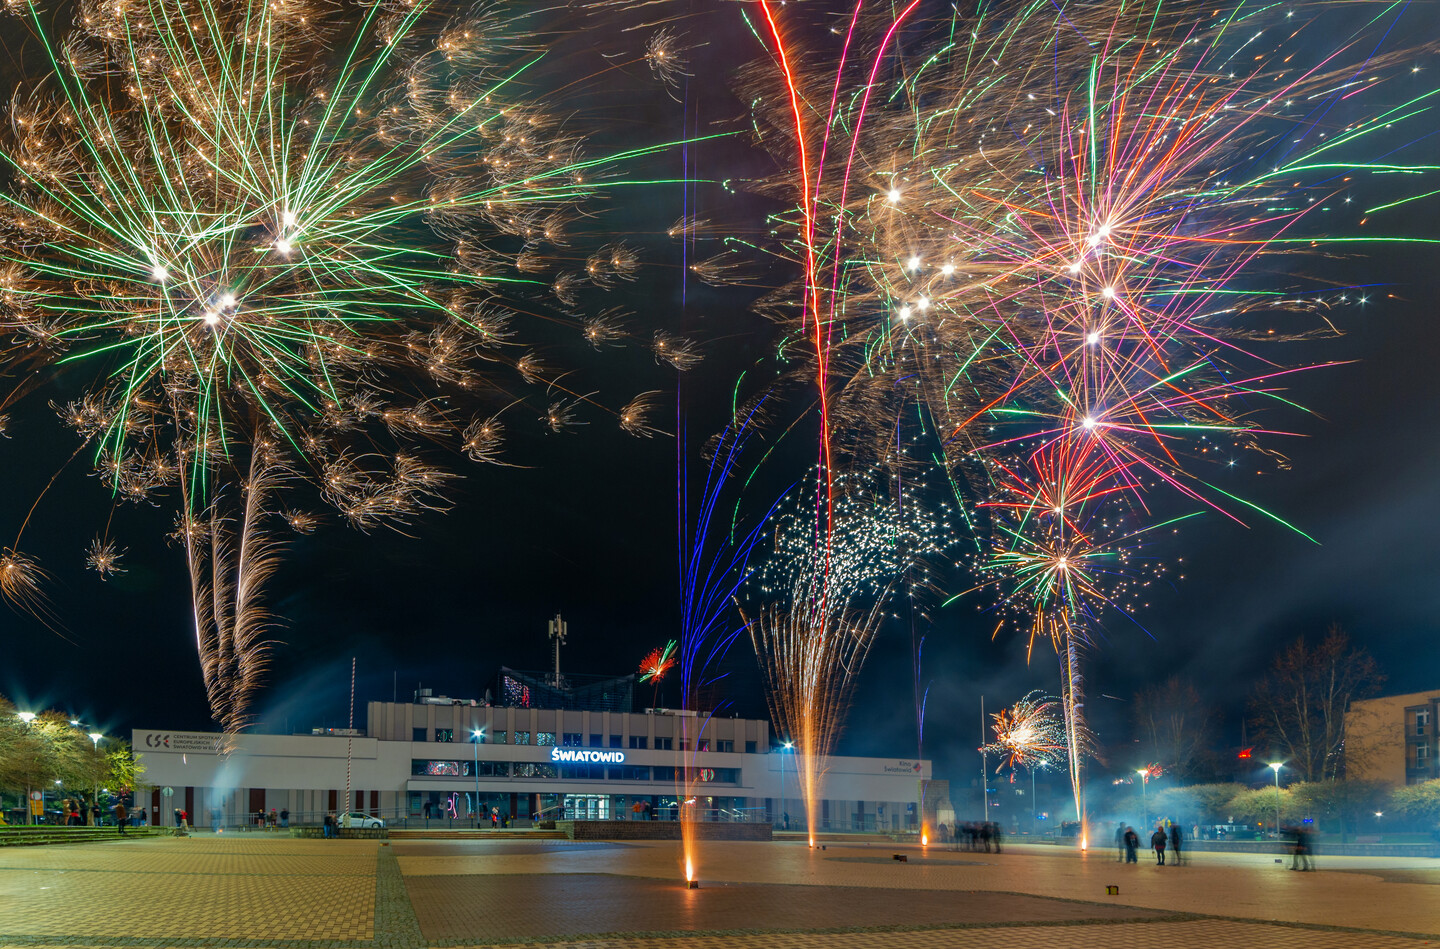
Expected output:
(329, 826)
(1157, 840)
(1175, 844)
(120, 815)
(285, 817)
(1132, 845)
(1120, 842)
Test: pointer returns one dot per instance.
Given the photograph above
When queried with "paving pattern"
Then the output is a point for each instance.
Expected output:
(250, 892)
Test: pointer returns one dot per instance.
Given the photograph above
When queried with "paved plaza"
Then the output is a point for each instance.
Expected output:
(252, 890)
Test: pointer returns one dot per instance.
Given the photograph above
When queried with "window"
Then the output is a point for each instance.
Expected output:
(637, 741)
(615, 742)
(704, 745)
(530, 769)
(631, 772)
(724, 744)
(662, 744)
(684, 745)
(1422, 719)
(477, 736)
(444, 734)
(597, 741)
(523, 738)
(418, 734)
(499, 738)
(750, 747)
(571, 740)
(1422, 752)
(543, 738)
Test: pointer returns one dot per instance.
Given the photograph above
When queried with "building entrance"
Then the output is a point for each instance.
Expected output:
(587, 807)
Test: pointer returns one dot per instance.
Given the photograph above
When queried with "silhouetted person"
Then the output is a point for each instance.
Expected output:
(1175, 844)
(1157, 840)
(984, 831)
(120, 817)
(1132, 845)
(1299, 849)
(995, 833)
(1120, 842)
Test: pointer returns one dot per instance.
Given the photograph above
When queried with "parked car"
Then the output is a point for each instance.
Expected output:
(362, 821)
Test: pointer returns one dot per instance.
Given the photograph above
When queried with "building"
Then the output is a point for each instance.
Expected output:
(1392, 738)
(452, 759)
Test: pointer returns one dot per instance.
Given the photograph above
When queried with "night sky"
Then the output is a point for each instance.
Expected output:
(584, 524)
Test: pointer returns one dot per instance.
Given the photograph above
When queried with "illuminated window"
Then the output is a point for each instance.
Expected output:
(571, 740)
(444, 734)
(543, 738)
(523, 738)
(499, 738)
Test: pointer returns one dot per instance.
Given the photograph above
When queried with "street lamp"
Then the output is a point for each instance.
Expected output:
(475, 735)
(1276, 766)
(26, 717)
(95, 742)
(784, 747)
(1144, 806)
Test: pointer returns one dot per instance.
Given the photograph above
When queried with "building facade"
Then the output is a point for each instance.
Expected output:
(442, 759)
(1393, 738)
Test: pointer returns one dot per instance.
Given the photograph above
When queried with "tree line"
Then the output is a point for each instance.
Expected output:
(51, 753)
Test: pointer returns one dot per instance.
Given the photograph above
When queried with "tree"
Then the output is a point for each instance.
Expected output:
(1299, 707)
(1418, 802)
(1200, 803)
(1258, 806)
(1345, 801)
(1174, 726)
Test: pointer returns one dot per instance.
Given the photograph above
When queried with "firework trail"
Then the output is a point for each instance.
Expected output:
(284, 241)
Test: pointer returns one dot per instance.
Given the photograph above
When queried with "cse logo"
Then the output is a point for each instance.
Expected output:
(157, 741)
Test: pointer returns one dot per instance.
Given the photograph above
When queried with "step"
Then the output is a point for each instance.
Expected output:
(469, 834)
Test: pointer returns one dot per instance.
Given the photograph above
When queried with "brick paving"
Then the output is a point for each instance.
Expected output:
(253, 891)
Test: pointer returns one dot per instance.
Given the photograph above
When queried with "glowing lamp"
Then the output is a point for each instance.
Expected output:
(26, 717)
(894, 194)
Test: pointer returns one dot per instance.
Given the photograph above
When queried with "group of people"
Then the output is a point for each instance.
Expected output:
(973, 835)
(271, 820)
(75, 812)
(1299, 841)
(1127, 843)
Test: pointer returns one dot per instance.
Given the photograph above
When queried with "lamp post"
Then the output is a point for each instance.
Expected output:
(95, 742)
(1144, 804)
(1276, 766)
(27, 718)
(786, 746)
(475, 735)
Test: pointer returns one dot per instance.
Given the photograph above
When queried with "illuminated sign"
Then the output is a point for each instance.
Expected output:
(587, 755)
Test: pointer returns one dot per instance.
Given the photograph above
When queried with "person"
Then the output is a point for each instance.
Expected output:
(285, 817)
(329, 829)
(1157, 840)
(1120, 842)
(94, 813)
(1300, 849)
(1175, 844)
(995, 832)
(1132, 844)
(786, 815)
(274, 819)
(120, 816)
(427, 810)
(494, 818)
(984, 831)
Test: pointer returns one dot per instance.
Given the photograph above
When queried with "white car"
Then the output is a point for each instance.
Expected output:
(362, 821)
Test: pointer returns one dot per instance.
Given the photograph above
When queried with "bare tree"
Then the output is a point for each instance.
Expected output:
(1174, 726)
(1299, 707)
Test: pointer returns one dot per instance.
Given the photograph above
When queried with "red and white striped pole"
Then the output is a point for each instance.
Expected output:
(349, 744)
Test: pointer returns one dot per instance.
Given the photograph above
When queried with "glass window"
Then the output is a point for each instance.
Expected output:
(750, 747)
(704, 745)
(417, 734)
(1422, 752)
(615, 742)
(684, 744)
(1422, 718)
(637, 741)
(571, 739)
(663, 744)
(543, 738)
(477, 736)
(523, 738)
(499, 738)
(532, 769)
(724, 744)
(444, 734)
(597, 741)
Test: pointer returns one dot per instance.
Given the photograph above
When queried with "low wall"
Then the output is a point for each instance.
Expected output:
(659, 830)
(1320, 848)
(346, 833)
